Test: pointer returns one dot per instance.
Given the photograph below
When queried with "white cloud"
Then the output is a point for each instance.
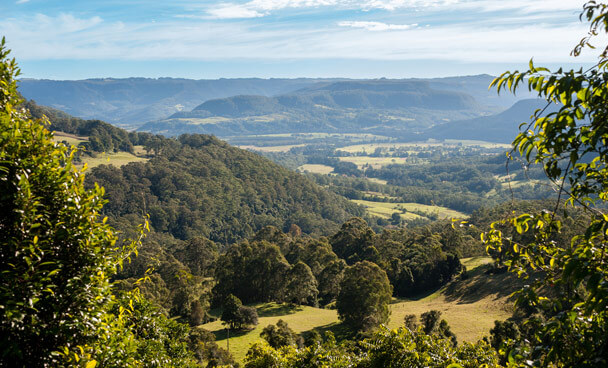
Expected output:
(233, 11)
(264, 7)
(21, 1)
(376, 26)
(256, 8)
(525, 6)
(68, 36)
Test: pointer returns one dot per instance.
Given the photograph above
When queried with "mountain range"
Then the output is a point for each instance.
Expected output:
(130, 102)
(134, 101)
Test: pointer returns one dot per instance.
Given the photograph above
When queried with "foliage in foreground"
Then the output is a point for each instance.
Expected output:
(385, 348)
(57, 255)
(569, 328)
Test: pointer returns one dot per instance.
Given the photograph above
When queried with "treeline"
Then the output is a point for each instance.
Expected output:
(188, 277)
(102, 137)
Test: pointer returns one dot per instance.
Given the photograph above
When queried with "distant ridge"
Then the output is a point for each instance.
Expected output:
(499, 128)
(131, 102)
(385, 107)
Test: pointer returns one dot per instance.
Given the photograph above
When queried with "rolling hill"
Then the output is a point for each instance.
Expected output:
(398, 108)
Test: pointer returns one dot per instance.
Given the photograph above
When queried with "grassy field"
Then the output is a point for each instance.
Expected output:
(470, 306)
(284, 148)
(316, 168)
(375, 162)
(116, 159)
(371, 147)
(379, 181)
(386, 209)
(299, 319)
(202, 121)
(72, 139)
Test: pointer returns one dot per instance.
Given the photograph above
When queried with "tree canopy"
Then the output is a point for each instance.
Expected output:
(567, 327)
(365, 294)
(57, 257)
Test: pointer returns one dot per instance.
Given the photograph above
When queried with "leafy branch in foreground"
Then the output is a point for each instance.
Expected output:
(58, 306)
(567, 298)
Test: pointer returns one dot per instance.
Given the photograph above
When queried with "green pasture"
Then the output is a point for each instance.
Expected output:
(469, 305)
(316, 168)
(386, 209)
(117, 159)
(376, 180)
(415, 146)
(300, 319)
(375, 162)
(283, 148)
(72, 139)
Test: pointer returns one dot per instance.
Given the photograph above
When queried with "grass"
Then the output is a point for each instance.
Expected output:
(203, 121)
(376, 180)
(484, 144)
(375, 162)
(386, 209)
(313, 135)
(316, 168)
(284, 148)
(72, 139)
(469, 305)
(300, 319)
(117, 159)
(371, 147)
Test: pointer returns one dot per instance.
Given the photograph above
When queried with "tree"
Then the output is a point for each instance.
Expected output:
(57, 256)
(281, 335)
(385, 348)
(569, 138)
(236, 315)
(354, 242)
(431, 324)
(255, 272)
(230, 312)
(410, 322)
(249, 316)
(302, 285)
(365, 294)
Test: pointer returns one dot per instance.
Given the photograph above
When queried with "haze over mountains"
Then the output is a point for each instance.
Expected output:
(405, 109)
(134, 101)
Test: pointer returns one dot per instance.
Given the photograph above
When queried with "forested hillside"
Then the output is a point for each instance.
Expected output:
(199, 185)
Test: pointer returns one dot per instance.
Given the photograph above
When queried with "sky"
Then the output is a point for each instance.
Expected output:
(76, 39)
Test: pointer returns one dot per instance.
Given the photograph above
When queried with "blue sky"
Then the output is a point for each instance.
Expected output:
(288, 38)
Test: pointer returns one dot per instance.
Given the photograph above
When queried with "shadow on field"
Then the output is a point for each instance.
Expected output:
(340, 331)
(482, 282)
(223, 333)
(274, 309)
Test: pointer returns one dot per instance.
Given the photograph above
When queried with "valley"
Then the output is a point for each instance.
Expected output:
(303, 184)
